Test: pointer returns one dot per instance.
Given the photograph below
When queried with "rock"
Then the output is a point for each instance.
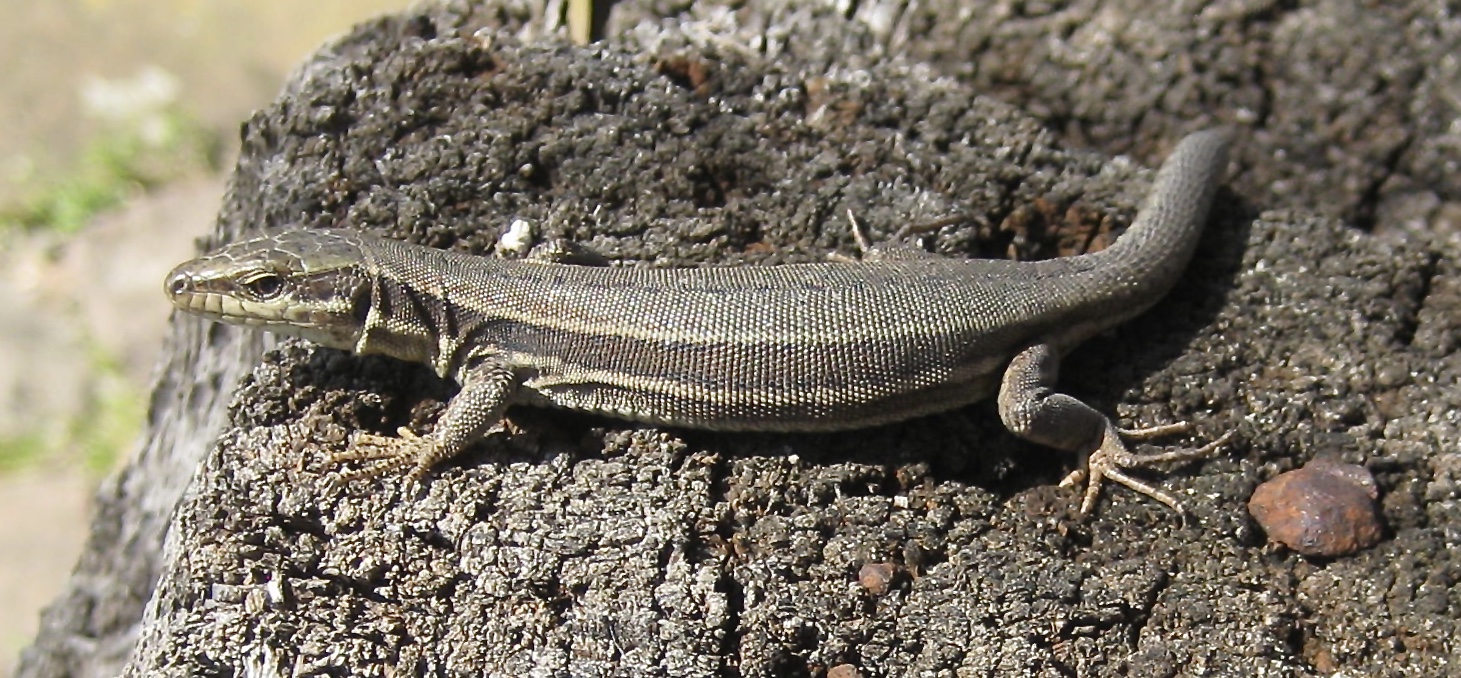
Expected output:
(1325, 509)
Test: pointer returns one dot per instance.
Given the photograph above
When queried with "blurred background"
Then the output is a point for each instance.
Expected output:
(120, 122)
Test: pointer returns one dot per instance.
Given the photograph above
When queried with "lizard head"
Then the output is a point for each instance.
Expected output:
(301, 283)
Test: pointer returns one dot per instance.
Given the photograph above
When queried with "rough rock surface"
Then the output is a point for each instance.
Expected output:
(586, 546)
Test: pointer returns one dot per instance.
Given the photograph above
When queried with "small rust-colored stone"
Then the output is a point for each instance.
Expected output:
(1324, 509)
(877, 578)
(844, 671)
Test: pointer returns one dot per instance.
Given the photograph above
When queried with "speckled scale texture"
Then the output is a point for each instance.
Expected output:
(587, 547)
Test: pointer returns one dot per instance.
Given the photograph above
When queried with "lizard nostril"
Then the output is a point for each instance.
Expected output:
(176, 284)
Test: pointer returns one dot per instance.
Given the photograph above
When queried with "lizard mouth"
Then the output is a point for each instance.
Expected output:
(212, 298)
(219, 300)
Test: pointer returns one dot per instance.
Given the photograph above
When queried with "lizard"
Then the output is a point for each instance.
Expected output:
(807, 347)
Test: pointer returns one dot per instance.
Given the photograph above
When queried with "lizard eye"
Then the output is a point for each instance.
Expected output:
(266, 286)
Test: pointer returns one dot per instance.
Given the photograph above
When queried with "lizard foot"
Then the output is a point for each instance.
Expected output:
(1111, 459)
(389, 455)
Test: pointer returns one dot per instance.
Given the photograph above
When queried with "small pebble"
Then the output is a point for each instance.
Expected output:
(518, 237)
(1325, 509)
(876, 578)
(844, 671)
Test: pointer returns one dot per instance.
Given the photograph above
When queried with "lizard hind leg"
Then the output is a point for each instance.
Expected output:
(1032, 409)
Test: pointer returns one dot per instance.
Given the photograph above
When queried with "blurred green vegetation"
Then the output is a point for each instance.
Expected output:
(22, 451)
(143, 138)
(111, 419)
(118, 163)
(93, 439)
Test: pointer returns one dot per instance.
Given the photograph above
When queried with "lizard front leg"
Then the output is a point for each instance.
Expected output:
(1032, 409)
(487, 387)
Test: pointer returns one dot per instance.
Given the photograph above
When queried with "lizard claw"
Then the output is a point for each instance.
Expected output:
(408, 451)
(1155, 431)
(1111, 459)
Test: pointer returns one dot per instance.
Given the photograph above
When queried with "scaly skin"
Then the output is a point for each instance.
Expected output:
(806, 347)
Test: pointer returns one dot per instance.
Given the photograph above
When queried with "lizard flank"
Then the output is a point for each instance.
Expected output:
(802, 347)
